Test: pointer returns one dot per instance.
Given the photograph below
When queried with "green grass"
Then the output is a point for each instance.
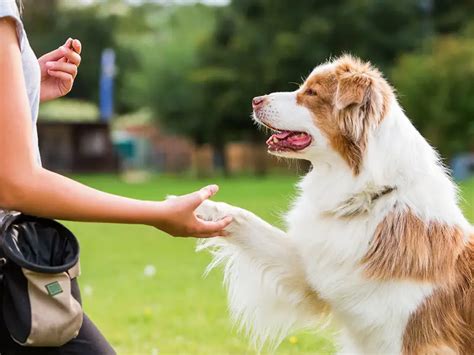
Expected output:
(176, 311)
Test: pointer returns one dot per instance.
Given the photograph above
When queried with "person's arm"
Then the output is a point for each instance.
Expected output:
(27, 187)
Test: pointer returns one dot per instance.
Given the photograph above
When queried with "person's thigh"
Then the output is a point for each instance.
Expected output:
(89, 341)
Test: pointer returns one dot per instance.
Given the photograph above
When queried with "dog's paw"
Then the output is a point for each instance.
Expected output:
(215, 211)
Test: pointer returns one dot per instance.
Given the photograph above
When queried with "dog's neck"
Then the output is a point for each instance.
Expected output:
(398, 162)
(394, 157)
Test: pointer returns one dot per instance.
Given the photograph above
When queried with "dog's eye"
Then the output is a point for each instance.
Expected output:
(310, 92)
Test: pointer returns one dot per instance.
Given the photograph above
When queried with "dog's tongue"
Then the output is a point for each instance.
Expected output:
(289, 140)
(301, 139)
(283, 134)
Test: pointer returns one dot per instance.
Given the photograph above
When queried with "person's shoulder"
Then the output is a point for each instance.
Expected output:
(9, 8)
(10, 20)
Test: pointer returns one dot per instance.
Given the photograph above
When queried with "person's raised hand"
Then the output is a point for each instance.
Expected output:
(59, 69)
(179, 217)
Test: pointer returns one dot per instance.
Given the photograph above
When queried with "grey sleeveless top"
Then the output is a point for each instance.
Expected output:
(31, 70)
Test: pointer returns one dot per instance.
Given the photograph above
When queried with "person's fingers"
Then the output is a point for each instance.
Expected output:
(77, 46)
(210, 227)
(62, 66)
(58, 53)
(70, 50)
(72, 56)
(66, 78)
(68, 42)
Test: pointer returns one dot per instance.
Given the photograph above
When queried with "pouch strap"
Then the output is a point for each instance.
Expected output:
(6, 217)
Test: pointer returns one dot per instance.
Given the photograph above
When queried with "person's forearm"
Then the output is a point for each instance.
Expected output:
(47, 194)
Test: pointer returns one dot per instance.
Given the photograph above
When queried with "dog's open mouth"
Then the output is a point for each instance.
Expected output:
(294, 141)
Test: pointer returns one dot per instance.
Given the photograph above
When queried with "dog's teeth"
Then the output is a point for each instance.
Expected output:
(275, 140)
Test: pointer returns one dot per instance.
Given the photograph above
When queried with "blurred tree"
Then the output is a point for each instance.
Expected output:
(260, 46)
(167, 57)
(199, 67)
(43, 12)
(435, 87)
(449, 16)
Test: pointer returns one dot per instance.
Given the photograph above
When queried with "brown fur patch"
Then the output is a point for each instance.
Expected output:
(406, 247)
(444, 324)
(346, 101)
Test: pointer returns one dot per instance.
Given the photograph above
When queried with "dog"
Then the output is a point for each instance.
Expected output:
(375, 238)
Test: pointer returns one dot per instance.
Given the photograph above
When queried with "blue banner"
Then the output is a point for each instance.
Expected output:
(106, 89)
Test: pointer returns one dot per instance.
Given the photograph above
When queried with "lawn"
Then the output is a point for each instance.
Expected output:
(176, 310)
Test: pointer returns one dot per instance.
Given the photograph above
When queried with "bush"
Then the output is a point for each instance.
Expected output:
(436, 88)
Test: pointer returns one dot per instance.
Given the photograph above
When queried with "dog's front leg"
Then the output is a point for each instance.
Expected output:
(266, 282)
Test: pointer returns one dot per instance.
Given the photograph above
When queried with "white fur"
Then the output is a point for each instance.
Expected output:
(277, 281)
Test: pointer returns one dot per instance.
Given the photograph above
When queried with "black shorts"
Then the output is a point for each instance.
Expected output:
(89, 341)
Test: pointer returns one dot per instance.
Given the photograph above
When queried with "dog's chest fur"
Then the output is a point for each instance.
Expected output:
(372, 313)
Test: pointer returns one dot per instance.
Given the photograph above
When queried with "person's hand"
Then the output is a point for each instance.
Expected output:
(59, 69)
(179, 218)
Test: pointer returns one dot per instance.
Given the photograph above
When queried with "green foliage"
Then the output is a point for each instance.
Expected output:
(167, 55)
(49, 25)
(261, 46)
(435, 87)
(197, 67)
(449, 16)
(48, 29)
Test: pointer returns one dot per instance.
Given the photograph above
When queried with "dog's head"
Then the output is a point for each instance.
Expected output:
(334, 110)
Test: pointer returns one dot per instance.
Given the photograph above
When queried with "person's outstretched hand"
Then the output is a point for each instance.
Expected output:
(59, 69)
(180, 219)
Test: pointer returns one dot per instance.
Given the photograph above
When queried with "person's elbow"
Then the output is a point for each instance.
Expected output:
(14, 191)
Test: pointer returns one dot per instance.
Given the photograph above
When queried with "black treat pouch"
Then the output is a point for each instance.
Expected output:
(41, 298)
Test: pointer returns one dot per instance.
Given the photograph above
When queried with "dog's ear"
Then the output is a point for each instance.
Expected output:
(353, 83)
(359, 102)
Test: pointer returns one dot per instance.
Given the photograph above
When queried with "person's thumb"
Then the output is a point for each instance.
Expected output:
(58, 53)
(203, 194)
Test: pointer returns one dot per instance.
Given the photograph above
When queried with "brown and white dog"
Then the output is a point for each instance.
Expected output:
(375, 237)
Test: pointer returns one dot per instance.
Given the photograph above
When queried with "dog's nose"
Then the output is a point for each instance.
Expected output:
(258, 102)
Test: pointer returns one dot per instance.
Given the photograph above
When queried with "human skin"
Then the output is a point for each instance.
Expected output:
(59, 69)
(27, 187)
